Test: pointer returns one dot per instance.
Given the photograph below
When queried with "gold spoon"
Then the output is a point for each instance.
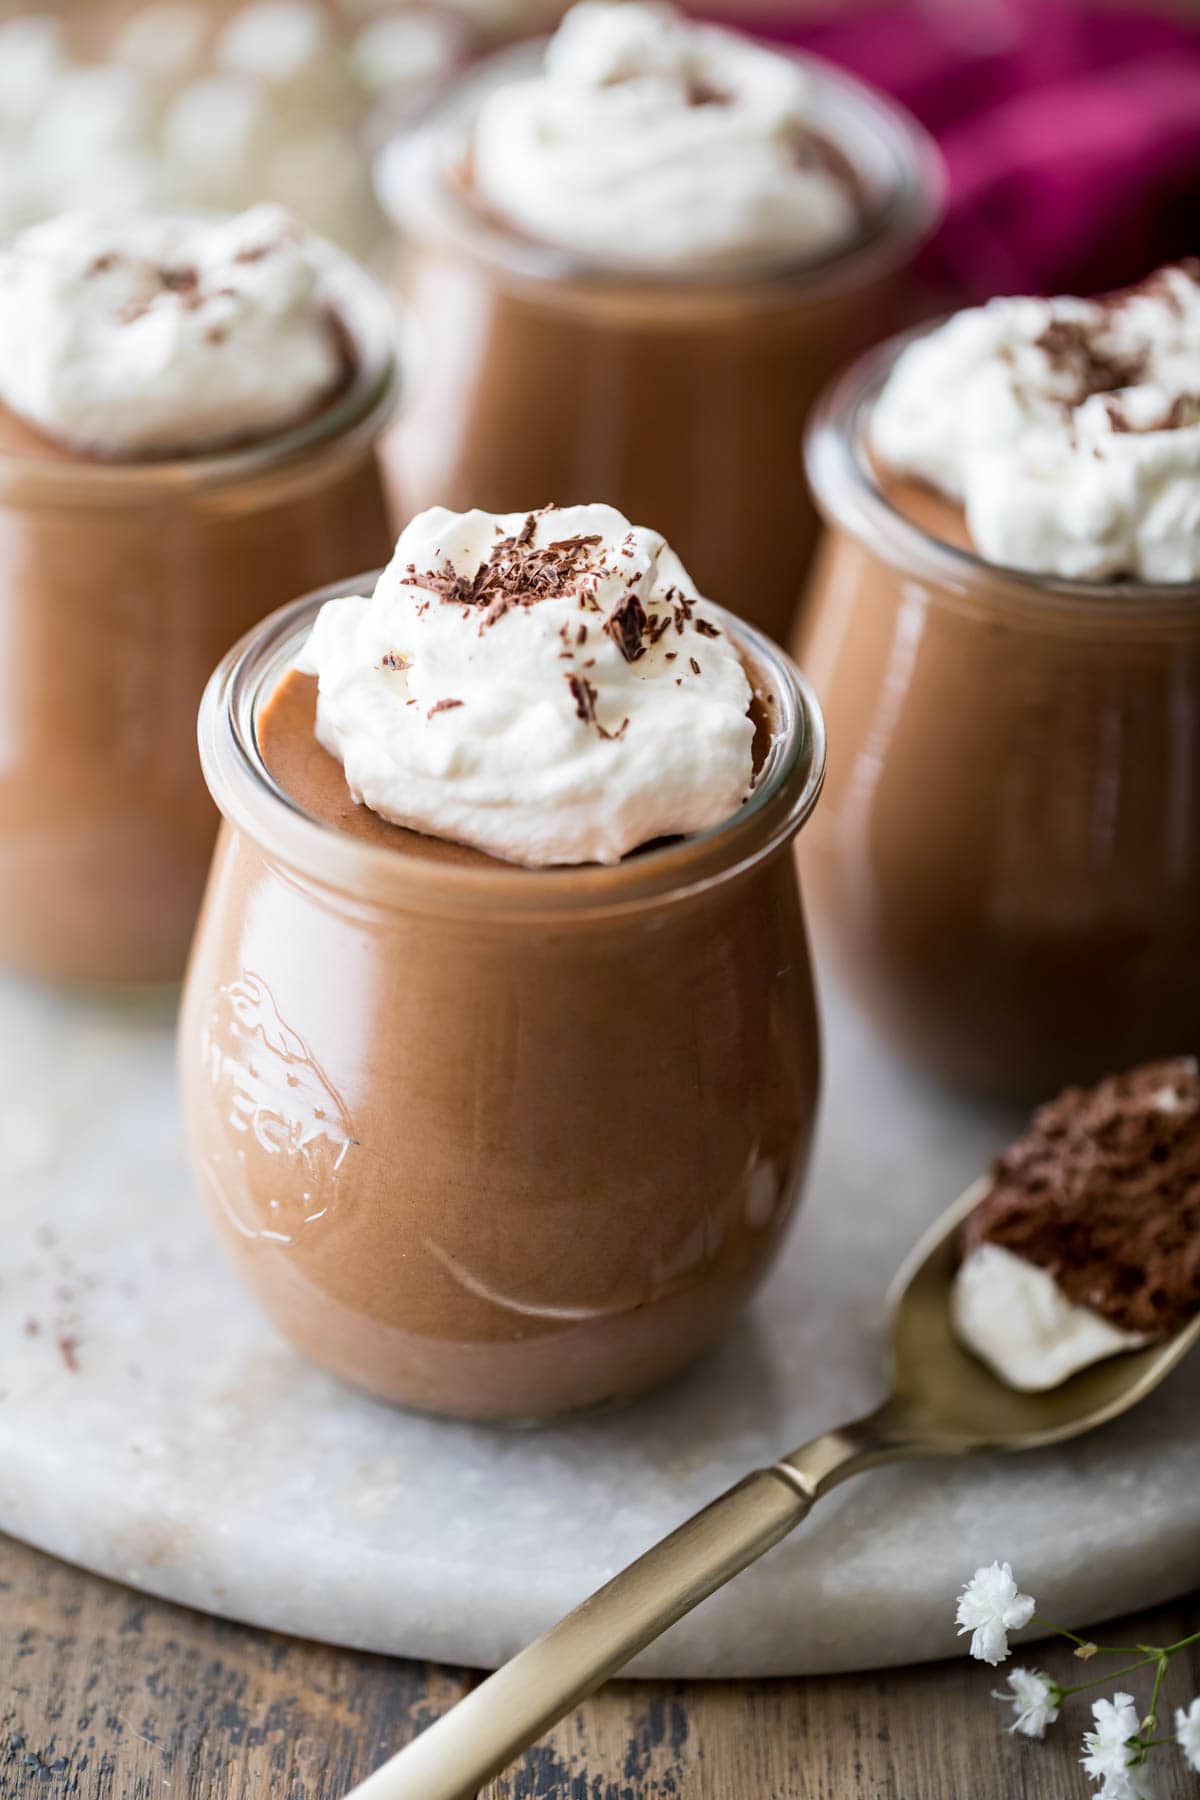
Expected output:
(943, 1403)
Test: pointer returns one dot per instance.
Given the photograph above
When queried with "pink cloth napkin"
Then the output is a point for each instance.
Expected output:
(1071, 131)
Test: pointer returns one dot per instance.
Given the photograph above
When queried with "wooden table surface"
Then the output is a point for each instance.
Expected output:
(105, 1695)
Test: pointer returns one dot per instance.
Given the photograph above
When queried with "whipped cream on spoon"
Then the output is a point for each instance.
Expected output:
(1085, 1240)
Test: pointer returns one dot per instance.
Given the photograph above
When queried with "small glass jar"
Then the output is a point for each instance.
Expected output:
(121, 584)
(1006, 868)
(678, 396)
(490, 1141)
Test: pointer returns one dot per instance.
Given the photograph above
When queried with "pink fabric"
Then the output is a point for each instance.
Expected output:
(1071, 131)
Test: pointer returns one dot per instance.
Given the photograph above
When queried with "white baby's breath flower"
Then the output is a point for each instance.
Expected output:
(989, 1607)
(1187, 1733)
(1109, 1756)
(1034, 1698)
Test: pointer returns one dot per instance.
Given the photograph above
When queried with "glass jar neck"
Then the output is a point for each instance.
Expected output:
(786, 790)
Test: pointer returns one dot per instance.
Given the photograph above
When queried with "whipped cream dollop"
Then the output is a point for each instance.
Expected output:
(545, 686)
(152, 334)
(1014, 1316)
(1068, 429)
(649, 139)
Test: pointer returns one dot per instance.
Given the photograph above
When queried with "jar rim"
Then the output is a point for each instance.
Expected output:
(358, 411)
(415, 178)
(248, 796)
(850, 497)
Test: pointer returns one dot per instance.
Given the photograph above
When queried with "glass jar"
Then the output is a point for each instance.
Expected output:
(679, 397)
(121, 584)
(491, 1141)
(1006, 868)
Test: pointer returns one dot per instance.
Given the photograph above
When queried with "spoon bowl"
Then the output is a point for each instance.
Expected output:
(956, 1403)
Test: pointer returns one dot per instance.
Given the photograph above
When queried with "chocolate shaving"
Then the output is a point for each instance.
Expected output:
(626, 625)
(1072, 349)
(1160, 287)
(695, 666)
(395, 659)
(1183, 411)
(584, 696)
(698, 92)
(518, 573)
(440, 706)
(705, 628)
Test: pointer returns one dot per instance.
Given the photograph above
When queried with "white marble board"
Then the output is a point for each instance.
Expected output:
(152, 1428)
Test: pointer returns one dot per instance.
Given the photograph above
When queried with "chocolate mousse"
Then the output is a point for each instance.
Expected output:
(1005, 634)
(498, 1049)
(187, 417)
(1089, 1228)
(637, 259)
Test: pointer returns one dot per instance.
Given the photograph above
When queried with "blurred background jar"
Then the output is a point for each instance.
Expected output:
(1006, 867)
(122, 583)
(678, 392)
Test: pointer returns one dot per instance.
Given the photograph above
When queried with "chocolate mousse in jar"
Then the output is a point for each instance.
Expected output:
(1004, 631)
(498, 1049)
(634, 255)
(188, 418)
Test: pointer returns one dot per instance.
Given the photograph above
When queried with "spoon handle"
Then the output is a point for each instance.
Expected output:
(515, 1706)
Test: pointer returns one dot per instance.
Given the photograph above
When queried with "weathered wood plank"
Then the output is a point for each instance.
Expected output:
(105, 1695)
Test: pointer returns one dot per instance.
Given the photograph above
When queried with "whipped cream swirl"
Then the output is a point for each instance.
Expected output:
(650, 140)
(545, 686)
(1014, 1316)
(150, 334)
(1068, 429)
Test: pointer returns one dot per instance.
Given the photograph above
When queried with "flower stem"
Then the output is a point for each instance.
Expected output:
(1151, 1714)
(1100, 1649)
(1110, 1675)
